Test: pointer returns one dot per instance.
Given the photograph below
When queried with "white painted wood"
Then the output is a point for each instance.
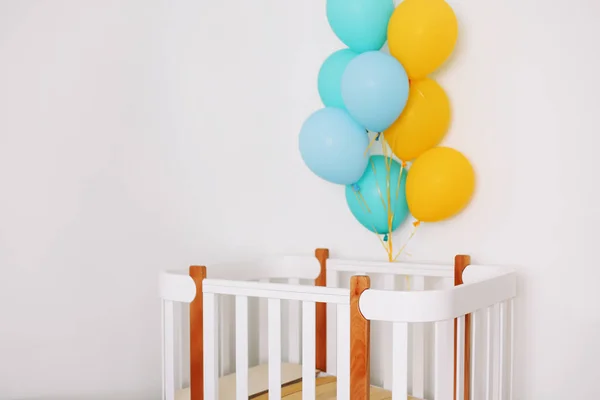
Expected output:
(436, 305)
(169, 345)
(385, 355)
(474, 321)
(332, 310)
(179, 340)
(294, 326)
(343, 352)
(400, 360)
(274, 323)
(444, 360)
(263, 336)
(418, 346)
(501, 345)
(488, 358)
(277, 290)
(226, 335)
(241, 347)
(460, 358)
(308, 350)
(211, 355)
(512, 349)
(177, 286)
(384, 267)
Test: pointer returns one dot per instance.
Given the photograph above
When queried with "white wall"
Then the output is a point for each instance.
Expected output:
(138, 135)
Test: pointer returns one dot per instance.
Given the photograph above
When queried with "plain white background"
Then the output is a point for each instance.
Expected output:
(140, 135)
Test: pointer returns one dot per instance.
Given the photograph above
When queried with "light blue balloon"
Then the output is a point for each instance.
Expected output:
(375, 90)
(330, 77)
(371, 186)
(333, 146)
(360, 24)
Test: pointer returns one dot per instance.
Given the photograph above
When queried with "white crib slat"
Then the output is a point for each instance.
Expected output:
(512, 349)
(343, 352)
(241, 347)
(168, 346)
(225, 322)
(274, 323)
(444, 360)
(211, 349)
(460, 358)
(501, 345)
(488, 362)
(308, 350)
(474, 320)
(263, 340)
(418, 347)
(294, 328)
(400, 360)
(332, 281)
(389, 283)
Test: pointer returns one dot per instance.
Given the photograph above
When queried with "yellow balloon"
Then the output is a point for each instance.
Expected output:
(422, 35)
(423, 123)
(439, 185)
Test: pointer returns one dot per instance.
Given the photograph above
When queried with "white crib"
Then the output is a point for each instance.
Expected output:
(441, 331)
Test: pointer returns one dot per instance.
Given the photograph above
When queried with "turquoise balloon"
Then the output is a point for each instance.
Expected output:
(372, 185)
(360, 24)
(375, 90)
(333, 146)
(330, 77)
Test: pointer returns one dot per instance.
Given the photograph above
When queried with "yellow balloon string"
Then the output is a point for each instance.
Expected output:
(416, 225)
(371, 142)
(364, 204)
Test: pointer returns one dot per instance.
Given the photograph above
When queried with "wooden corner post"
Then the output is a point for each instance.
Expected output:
(360, 340)
(460, 263)
(321, 314)
(197, 336)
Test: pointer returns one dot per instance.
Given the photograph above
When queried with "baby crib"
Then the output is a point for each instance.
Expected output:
(443, 331)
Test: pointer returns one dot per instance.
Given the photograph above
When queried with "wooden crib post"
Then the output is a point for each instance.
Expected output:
(360, 340)
(321, 314)
(198, 274)
(460, 263)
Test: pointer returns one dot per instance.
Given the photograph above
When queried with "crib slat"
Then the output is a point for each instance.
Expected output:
(460, 358)
(389, 283)
(488, 361)
(512, 349)
(274, 324)
(308, 349)
(418, 347)
(294, 328)
(474, 321)
(400, 360)
(501, 345)
(332, 309)
(343, 352)
(241, 347)
(211, 349)
(168, 343)
(263, 341)
(444, 360)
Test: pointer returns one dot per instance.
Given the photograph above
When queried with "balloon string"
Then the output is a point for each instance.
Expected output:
(402, 166)
(378, 188)
(416, 225)
(370, 144)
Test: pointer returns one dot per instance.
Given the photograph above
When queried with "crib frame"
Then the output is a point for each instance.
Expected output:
(485, 286)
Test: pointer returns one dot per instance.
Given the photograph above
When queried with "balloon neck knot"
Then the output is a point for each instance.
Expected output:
(385, 237)
(355, 187)
(416, 223)
(403, 164)
(377, 137)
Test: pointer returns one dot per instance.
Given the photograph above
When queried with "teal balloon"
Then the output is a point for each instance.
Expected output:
(360, 24)
(330, 77)
(375, 90)
(333, 146)
(372, 186)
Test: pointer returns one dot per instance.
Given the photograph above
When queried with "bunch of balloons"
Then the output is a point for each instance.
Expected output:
(371, 95)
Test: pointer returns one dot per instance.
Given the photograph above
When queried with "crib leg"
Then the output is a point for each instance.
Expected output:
(360, 339)
(197, 336)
